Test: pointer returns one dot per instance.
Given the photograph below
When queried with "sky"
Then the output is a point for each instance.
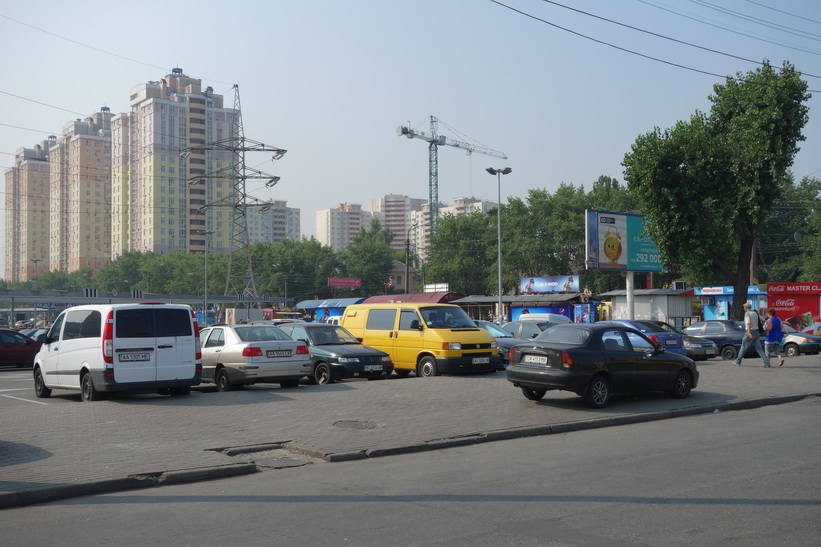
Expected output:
(562, 88)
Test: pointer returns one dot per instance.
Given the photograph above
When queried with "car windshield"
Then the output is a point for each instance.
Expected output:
(495, 330)
(667, 327)
(330, 335)
(446, 317)
(256, 333)
(565, 335)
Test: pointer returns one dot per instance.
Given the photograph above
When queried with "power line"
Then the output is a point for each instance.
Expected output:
(785, 12)
(762, 22)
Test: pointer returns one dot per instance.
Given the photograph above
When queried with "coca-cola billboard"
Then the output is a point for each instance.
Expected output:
(798, 304)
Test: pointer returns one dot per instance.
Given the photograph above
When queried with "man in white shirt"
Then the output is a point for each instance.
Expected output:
(752, 324)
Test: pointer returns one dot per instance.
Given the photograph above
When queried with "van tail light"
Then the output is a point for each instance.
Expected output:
(302, 350)
(567, 359)
(252, 351)
(108, 338)
(197, 335)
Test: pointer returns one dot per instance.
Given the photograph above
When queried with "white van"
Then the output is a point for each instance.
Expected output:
(148, 346)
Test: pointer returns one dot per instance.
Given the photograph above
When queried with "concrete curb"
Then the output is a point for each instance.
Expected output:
(132, 482)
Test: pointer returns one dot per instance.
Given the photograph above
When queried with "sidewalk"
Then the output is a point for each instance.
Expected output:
(55, 451)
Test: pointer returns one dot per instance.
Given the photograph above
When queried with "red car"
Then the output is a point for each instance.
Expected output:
(17, 349)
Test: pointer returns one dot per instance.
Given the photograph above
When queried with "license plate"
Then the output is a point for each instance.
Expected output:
(278, 353)
(537, 359)
(373, 367)
(128, 357)
(670, 342)
(481, 360)
(711, 351)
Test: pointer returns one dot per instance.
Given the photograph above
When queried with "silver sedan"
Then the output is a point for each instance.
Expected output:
(239, 355)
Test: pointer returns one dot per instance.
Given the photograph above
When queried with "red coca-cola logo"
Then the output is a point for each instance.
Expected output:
(785, 303)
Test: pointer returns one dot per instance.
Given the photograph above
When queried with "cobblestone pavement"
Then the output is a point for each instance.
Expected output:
(52, 451)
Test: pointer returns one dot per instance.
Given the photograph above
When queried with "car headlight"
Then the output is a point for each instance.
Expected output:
(494, 344)
(386, 358)
(348, 359)
(451, 345)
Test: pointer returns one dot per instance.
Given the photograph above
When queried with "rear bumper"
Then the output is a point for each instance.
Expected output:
(107, 384)
(544, 378)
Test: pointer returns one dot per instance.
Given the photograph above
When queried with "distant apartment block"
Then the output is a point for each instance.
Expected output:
(274, 224)
(80, 195)
(163, 202)
(27, 213)
(462, 206)
(396, 211)
(336, 228)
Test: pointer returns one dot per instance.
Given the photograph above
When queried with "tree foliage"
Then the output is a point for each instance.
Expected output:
(707, 184)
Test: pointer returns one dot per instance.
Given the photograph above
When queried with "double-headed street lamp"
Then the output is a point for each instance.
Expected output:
(206, 233)
(499, 173)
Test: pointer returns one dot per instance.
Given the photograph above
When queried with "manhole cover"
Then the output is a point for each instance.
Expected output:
(355, 424)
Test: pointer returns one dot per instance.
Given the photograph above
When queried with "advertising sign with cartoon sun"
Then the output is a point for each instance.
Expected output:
(619, 242)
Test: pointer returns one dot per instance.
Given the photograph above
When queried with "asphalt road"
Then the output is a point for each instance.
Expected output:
(730, 478)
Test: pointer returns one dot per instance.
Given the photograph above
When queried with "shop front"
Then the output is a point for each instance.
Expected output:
(798, 304)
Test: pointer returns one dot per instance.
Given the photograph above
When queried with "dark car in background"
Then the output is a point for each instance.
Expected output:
(726, 334)
(336, 354)
(504, 340)
(698, 349)
(17, 349)
(595, 360)
(670, 341)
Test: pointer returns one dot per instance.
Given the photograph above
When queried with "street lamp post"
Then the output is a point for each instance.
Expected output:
(206, 233)
(36, 262)
(499, 173)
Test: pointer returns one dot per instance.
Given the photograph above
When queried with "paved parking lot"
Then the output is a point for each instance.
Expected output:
(57, 447)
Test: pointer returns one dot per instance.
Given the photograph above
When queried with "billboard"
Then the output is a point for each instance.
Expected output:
(558, 283)
(344, 282)
(618, 241)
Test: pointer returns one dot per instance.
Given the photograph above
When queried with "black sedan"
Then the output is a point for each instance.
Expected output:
(594, 360)
(336, 354)
(504, 340)
(726, 334)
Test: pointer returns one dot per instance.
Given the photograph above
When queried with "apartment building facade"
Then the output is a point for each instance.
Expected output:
(337, 227)
(396, 211)
(80, 195)
(274, 224)
(162, 199)
(27, 213)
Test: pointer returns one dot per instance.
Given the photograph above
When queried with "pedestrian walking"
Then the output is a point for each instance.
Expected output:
(752, 324)
(774, 327)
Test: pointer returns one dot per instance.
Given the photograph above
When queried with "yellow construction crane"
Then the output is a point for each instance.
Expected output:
(434, 141)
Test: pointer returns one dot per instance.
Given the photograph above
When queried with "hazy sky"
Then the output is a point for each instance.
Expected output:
(557, 90)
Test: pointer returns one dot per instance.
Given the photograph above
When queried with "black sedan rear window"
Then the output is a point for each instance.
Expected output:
(559, 335)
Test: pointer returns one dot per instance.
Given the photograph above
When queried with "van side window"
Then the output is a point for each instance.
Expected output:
(381, 320)
(405, 319)
(82, 324)
(55, 328)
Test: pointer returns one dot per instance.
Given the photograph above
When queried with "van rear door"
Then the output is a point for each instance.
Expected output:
(176, 345)
(135, 345)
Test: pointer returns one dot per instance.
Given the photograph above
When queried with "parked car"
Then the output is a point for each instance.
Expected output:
(336, 354)
(796, 342)
(241, 355)
(670, 341)
(726, 334)
(595, 360)
(17, 349)
(526, 330)
(504, 340)
(38, 333)
(698, 349)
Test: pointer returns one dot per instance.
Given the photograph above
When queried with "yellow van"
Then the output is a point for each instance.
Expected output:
(428, 339)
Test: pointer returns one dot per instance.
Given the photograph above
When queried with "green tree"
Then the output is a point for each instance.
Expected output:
(462, 252)
(706, 185)
(296, 270)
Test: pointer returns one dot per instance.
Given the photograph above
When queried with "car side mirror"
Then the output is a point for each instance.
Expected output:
(42, 338)
(415, 325)
(534, 335)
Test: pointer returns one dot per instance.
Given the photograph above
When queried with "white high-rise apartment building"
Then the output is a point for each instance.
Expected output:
(274, 224)
(336, 228)
(161, 201)
(396, 212)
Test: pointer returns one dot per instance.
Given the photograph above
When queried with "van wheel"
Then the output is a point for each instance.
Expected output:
(88, 392)
(322, 374)
(427, 368)
(222, 381)
(40, 389)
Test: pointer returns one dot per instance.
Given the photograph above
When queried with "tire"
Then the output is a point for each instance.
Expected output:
(40, 389)
(322, 374)
(402, 372)
(222, 381)
(791, 350)
(597, 393)
(88, 392)
(682, 384)
(533, 394)
(728, 353)
(427, 367)
(289, 383)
